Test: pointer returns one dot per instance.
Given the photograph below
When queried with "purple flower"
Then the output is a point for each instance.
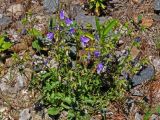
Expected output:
(24, 31)
(84, 40)
(62, 14)
(72, 30)
(96, 54)
(50, 36)
(137, 39)
(99, 68)
(68, 21)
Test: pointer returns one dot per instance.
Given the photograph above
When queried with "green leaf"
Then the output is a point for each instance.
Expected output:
(68, 100)
(65, 106)
(54, 111)
(90, 36)
(59, 95)
(34, 32)
(139, 18)
(98, 25)
(36, 45)
(24, 21)
(147, 115)
(1, 40)
(97, 4)
(70, 114)
(110, 25)
(103, 6)
(6, 45)
(158, 109)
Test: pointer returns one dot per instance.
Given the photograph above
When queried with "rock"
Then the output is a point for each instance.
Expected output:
(157, 5)
(136, 93)
(120, 42)
(16, 10)
(156, 63)
(25, 114)
(129, 105)
(51, 5)
(15, 37)
(40, 27)
(156, 18)
(1, 15)
(83, 20)
(40, 115)
(63, 115)
(134, 52)
(97, 117)
(138, 116)
(14, 80)
(154, 117)
(19, 47)
(143, 76)
(36, 116)
(137, 1)
(5, 22)
(147, 22)
(2, 109)
(72, 53)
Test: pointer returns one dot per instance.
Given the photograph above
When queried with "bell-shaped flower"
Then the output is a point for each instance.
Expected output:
(84, 40)
(61, 15)
(99, 68)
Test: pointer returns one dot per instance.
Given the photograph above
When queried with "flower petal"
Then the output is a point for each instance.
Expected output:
(62, 14)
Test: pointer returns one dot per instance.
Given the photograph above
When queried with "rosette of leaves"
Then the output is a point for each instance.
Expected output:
(4, 45)
(97, 6)
(40, 42)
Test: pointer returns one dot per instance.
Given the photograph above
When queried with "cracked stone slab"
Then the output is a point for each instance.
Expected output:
(4, 22)
(143, 76)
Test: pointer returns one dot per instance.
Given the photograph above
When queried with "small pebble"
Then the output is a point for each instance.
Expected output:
(1, 16)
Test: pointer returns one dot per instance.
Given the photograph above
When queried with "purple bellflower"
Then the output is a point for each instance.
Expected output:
(68, 21)
(137, 39)
(99, 68)
(50, 36)
(62, 15)
(96, 53)
(72, 31)
(84, 40)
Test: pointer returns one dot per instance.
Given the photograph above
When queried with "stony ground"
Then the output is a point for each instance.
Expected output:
(18, 102)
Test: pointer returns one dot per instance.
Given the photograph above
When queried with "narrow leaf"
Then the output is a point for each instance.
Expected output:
(54, 111)
(109, 27)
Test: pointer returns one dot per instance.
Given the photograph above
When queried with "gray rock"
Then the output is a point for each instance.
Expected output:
(25, 114)
(16, 10)
(157, 5)
(129, 105)
(138, 116)
(136, 93)
(84, 20)
(18, 79)
(156, 64)
(154, 117)
(1, 15)
(51, 5)
(63, 115)
(4, 22)
(143, 76)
